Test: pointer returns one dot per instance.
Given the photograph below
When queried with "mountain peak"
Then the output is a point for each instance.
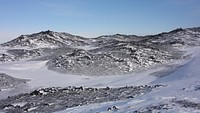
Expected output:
(177, 30)
(46, 32)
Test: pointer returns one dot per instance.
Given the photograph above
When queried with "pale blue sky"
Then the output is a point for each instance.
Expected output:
(91, 18)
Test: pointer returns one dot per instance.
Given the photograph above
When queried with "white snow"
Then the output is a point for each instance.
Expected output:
(40, 76)
(32, 108)
(19, 104)
(179, 83)
(3, 50)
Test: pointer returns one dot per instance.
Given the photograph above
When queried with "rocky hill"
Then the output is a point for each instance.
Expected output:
(105, 55)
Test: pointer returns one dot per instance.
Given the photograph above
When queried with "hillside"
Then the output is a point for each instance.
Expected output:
(60, 72)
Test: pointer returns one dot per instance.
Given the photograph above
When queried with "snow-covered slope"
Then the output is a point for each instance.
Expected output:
(46, 39)
(107, 55)
(180, 93)
(51, 72)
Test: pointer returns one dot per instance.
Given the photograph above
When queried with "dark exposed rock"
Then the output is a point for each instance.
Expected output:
(107, 55)
(56, 99)
(153, 108)
(187, 104)
(118, 60)
(6, 58)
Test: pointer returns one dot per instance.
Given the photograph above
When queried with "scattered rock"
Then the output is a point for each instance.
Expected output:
(56, 99)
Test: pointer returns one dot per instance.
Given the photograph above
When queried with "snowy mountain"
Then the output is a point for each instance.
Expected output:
(59, 72)
(118, 60)
(105, 55)
(34, 45)
(47, 39)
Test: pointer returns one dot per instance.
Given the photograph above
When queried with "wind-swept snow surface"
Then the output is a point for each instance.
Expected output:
(180, 93)
(59, 72)
(40, 76)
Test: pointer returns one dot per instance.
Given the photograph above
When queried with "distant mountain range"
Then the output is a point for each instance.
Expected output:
(105, 55)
